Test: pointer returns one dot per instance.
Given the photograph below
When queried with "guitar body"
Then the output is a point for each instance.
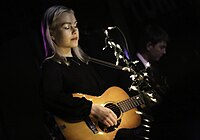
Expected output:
(81, 131)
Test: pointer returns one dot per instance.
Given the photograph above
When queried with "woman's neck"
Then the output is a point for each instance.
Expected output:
(65, 52)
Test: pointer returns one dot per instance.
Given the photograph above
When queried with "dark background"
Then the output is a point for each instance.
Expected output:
(22, 53)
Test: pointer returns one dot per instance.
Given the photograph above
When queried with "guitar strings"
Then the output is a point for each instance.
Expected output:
(127, 104)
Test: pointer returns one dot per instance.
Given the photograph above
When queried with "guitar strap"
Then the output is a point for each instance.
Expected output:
(91, 125)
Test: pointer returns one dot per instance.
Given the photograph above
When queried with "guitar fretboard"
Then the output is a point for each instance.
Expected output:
(131, 103)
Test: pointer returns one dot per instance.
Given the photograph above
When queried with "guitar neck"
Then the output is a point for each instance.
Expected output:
(131, 103)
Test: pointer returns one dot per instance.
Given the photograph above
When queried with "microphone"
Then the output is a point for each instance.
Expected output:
(110, 28)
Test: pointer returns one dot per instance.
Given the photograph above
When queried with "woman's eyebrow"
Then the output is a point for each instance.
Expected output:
(69, 23)
(65, 23)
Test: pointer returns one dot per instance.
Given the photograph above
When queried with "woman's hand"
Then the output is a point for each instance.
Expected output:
(104, 115)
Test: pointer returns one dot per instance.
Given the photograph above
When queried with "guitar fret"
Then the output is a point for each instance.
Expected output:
(123, 105)
(119, 104)
(140, 99)
(127, 103)
(133, 102)
(126, 107)
(136, 101)
(140, 102)
(130, 103)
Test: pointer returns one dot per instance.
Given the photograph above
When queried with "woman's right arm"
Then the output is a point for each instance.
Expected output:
(56, 100)
(65, 105)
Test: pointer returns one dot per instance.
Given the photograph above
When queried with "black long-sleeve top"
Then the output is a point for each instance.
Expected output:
(60, 81)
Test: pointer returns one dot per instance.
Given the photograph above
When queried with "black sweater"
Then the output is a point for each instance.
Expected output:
(59, 81)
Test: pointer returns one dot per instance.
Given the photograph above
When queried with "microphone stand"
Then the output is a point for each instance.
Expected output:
(111, 65)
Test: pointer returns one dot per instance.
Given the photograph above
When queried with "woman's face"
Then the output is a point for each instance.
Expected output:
(64, 31)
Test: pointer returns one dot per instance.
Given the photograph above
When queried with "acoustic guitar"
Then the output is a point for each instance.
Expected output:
(119, 102)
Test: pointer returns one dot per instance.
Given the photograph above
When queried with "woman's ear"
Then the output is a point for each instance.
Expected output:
(52, 36)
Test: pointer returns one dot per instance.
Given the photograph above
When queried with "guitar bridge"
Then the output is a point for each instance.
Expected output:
(91, 125)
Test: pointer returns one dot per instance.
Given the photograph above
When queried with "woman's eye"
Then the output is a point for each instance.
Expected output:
(66, 27)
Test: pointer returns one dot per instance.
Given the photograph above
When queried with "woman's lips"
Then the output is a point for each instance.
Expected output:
(75, 38)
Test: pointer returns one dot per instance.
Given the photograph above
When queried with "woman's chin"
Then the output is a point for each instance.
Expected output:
(74, 45)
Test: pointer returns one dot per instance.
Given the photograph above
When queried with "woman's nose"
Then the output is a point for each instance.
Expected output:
(74, 28)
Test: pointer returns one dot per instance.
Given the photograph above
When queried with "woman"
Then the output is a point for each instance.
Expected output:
(65, 71)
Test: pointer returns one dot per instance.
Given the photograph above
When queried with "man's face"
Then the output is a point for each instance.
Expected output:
(156, 51)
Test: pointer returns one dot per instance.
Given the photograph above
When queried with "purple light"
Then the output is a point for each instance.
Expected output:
(43, 38)
(126, 54)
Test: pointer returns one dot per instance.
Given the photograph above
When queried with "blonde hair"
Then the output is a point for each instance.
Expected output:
(48, 20)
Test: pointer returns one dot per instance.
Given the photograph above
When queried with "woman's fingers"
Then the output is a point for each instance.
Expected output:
(110, 118)
(104, 115)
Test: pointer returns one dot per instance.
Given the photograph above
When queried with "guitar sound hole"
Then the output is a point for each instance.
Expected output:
(114, 108)
(117, 111)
